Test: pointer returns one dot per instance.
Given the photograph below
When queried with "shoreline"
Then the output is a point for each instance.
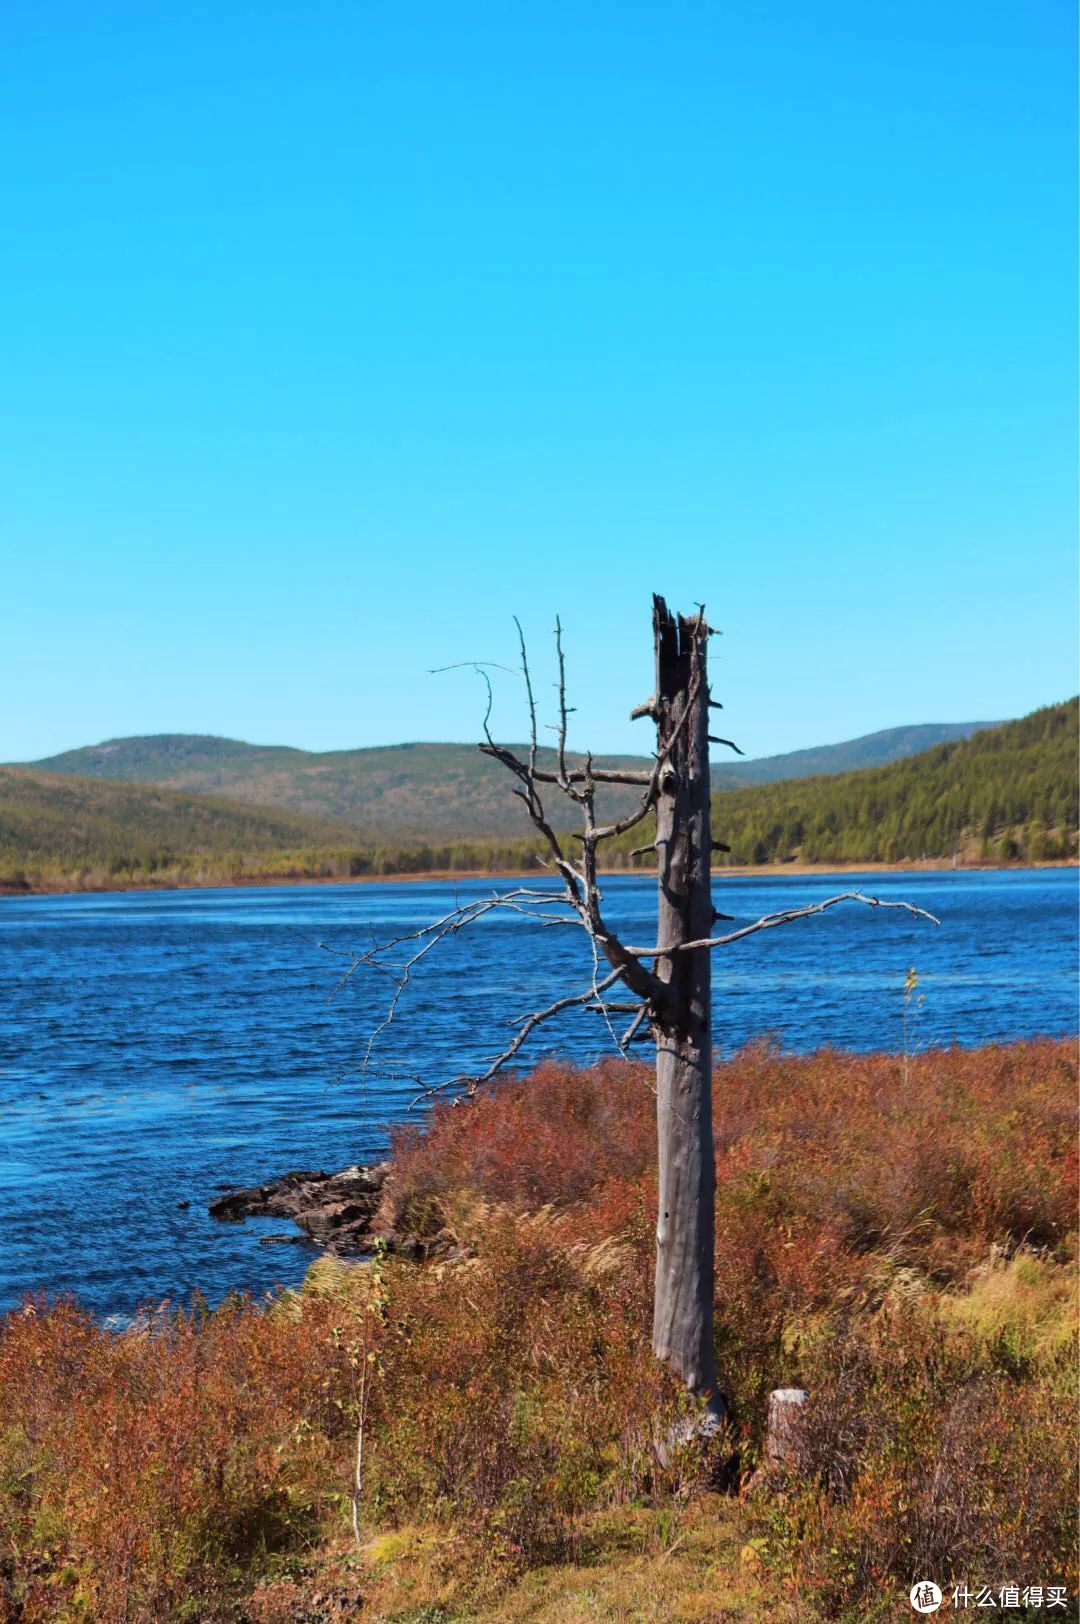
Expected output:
(929, 865)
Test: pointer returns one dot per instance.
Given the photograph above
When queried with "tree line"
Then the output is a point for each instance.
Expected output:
(1007, 793)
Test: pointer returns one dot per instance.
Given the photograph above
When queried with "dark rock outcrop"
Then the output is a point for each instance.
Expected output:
(335, 1210)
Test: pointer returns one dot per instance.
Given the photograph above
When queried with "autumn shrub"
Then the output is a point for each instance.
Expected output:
(141, 1472)
(919, 1455)
(515, 1392)
(892, 1234)
(553, 1136)
(834, 1171)
(854, 1193)
(889, 1150)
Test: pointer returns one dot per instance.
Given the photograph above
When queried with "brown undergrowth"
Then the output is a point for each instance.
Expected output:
(894, 1235)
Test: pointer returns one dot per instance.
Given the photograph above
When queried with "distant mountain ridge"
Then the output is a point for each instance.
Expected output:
(1005, 794)
(414, 791)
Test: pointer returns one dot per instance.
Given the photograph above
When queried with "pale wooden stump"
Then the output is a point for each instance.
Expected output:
(782, 1427)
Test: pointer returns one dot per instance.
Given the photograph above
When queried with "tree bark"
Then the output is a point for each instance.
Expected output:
(683, 1302)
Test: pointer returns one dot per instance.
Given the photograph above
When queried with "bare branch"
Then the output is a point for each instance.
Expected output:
(769, 920)
(536, 812)
(532, 700)
(575, 775)
(522, 900)
(632, 1030)
(527, 1024)
(581, 885)
(649, 798)
(481, 667)
(563, 779)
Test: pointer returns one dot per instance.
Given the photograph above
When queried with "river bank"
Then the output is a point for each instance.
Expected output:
(66, 886)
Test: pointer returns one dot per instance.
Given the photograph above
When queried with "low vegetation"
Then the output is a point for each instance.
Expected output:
(894, 1233)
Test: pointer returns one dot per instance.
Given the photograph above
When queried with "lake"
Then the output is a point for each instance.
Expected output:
(155, 1046)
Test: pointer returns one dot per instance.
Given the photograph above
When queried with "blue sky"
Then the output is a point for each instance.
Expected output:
(337, 334)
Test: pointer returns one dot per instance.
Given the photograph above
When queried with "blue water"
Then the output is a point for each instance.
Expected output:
(157, 1045)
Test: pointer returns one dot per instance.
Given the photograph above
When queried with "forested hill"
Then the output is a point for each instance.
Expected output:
(55, 826)
(414, 792)
(872, 750)
(1008, 792)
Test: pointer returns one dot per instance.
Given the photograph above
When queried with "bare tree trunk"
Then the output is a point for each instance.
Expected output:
(673, 996)
(683, 1303)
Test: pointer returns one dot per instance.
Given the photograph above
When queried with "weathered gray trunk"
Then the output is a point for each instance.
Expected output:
(683, 1304)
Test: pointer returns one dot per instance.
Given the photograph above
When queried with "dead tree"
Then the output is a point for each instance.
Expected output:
(682, 1020)
(668, 980)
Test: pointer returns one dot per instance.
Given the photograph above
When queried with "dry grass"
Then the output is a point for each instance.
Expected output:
(691, 1563)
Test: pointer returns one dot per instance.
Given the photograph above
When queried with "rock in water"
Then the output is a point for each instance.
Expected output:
(335, 1210)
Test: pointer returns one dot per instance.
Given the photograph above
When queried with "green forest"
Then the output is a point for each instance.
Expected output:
(1007, 794)
(90, 831)
(57, 830)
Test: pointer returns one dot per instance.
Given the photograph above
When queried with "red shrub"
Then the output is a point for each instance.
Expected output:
(973, 1144)
(139, 1468)
(153, 1474)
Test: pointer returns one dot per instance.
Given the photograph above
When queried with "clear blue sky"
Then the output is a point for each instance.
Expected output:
(336, 334)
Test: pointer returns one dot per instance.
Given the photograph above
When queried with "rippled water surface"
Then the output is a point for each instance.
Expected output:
(157, 1045)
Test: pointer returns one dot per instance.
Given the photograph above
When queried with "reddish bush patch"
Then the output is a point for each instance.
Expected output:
(156, 1474)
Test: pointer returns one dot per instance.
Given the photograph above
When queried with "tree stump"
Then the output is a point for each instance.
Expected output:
(782, 1427)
